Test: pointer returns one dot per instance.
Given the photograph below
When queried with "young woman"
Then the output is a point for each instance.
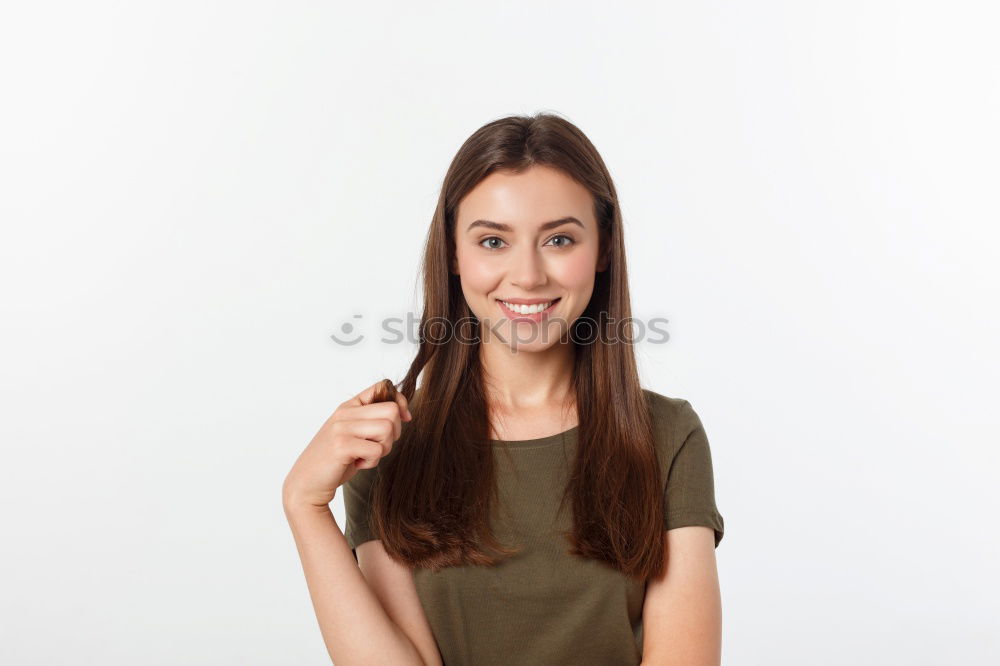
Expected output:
(530, 502)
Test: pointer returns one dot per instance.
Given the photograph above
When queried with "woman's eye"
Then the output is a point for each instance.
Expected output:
(563, 236)
(491, 238)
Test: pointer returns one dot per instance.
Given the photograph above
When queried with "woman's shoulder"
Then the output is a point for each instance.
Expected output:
(665, 403)
(668, 407)
(673, 419)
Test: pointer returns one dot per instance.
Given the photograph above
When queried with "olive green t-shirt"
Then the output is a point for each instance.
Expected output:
(545, 606)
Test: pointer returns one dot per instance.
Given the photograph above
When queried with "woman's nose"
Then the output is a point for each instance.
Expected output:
(528, 270)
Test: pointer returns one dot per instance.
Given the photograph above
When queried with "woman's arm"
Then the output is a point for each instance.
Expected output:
(355, 626)
(682, 613)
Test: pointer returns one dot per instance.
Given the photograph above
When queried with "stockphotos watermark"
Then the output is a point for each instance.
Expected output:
(472, 330)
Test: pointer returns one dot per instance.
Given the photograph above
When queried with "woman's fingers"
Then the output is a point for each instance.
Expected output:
(364, 458)
(362, 405)
(380, 431)
(369, 395)
(388, 411)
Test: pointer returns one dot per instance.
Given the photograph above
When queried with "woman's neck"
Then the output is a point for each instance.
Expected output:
(528, 381)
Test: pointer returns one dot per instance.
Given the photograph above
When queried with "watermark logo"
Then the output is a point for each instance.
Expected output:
(348, 335)
(471, 330)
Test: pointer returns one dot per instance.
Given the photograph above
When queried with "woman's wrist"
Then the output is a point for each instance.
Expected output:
(302, 506)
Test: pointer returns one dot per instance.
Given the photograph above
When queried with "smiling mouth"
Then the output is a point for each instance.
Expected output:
(535, 311)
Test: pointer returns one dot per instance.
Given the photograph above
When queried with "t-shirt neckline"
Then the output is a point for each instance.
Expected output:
(538, 441)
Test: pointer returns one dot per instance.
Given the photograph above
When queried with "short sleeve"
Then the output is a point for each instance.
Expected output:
(690, 487)
(358, 506)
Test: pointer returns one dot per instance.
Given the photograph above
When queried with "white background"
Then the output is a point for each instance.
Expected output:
(196, 195)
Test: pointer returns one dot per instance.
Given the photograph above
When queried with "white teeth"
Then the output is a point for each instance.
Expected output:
(527, 309)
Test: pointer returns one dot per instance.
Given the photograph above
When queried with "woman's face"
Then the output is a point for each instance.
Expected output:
(527, 238)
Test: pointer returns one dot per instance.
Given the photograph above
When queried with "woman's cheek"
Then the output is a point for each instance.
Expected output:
(478, 276)
(578, 272)
(478, 281)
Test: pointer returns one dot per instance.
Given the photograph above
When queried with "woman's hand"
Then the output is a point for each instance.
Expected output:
(356, 436)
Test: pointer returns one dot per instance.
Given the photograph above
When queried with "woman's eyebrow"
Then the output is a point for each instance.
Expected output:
(499, 226)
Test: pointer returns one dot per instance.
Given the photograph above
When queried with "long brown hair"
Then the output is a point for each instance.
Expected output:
(434, 492)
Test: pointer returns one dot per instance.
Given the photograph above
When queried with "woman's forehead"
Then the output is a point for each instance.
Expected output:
(527, 199)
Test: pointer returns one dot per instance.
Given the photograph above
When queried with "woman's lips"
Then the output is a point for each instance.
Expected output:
(536, 316)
